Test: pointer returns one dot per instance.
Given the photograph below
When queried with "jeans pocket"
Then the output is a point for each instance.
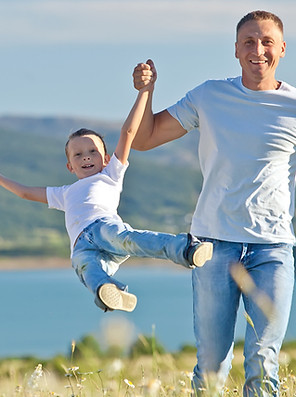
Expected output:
(281, 245)
(208, 239)
(88, 237)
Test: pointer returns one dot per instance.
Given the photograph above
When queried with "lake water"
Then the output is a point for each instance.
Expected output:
(42, 311)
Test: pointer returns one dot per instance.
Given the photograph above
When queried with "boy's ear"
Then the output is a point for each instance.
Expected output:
(107, 158)
(69, 166)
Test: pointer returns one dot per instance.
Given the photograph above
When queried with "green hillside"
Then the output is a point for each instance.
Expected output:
(160, 189)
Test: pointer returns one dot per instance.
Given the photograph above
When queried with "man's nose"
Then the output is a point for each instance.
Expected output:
(259, 48)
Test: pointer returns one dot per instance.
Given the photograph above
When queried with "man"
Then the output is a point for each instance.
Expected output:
(247, 129)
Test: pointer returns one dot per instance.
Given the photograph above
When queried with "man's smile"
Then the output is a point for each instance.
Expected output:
(258, 62)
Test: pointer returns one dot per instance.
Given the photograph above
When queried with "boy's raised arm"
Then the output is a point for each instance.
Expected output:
(131, 125)
(23, 191)
(155, 129)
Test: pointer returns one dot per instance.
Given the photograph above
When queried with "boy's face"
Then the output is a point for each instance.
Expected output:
(86, 156)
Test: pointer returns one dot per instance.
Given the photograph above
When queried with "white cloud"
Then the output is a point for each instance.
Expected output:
(120, 21)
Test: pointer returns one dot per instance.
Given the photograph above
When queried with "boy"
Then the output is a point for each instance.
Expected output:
(100, 241)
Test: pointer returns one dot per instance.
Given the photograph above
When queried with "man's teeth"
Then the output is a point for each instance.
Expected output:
(258, 62)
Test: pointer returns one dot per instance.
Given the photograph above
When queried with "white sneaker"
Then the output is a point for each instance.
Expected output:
(197, 252)
(202, 253)
(116, 299)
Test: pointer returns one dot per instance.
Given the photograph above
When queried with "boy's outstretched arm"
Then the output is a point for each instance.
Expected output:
(131, 125)
(23, 191)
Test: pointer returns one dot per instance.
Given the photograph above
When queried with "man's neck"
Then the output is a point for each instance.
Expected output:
(263, 85)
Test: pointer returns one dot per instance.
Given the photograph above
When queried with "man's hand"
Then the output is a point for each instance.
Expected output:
(144, 74)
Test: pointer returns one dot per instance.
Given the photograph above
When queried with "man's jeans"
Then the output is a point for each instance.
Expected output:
(106, 243)
(215, 303)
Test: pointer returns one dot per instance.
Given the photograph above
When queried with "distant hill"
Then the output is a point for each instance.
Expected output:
(182, 151)
(55, 126)
(160, 190)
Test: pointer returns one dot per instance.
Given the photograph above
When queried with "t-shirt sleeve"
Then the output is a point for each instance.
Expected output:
(55, 197)
(185, 110)
(115, 169)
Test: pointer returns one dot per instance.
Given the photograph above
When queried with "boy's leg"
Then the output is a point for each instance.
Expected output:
(91, 265)
(271, 267)
(215, 304)
(105, 244)
(121, 239)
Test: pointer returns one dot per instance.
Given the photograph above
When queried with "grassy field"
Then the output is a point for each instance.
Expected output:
(145, 371)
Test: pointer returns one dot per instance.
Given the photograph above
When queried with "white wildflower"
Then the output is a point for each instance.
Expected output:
(188, 374)
(34, 379)
(73, 369)
(129, 383)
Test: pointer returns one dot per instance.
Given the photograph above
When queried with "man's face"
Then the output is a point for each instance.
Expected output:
(86, 156)
(259, 48)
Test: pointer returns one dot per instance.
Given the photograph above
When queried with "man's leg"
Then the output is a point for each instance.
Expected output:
(271, 266)
(215, 303)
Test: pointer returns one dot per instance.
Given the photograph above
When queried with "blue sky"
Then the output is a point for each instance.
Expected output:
(75, 57)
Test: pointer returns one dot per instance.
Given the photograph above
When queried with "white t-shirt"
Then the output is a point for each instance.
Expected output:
(89, 198)
(247, 158)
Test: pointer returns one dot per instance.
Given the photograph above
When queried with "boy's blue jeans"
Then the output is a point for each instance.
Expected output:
(215, 302)
(106, 243)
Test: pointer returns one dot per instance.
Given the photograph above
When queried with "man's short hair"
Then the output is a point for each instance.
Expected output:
(260, 16)
(83, 132)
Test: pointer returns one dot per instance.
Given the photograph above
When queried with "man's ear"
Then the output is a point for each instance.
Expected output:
(69, 166)
(283, 49)
(235, 50)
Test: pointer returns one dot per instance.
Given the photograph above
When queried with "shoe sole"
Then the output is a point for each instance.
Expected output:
(115, 299)
(202, 254)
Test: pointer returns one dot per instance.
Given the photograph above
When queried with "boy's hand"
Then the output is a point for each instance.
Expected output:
(144, 75)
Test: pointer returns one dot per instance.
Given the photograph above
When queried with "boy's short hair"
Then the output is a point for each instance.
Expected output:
(260, 16)
(83, 132)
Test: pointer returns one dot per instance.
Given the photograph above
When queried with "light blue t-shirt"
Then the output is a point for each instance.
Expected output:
(247, 158)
